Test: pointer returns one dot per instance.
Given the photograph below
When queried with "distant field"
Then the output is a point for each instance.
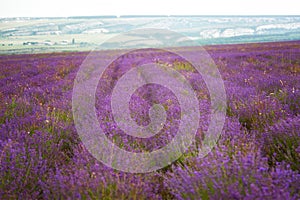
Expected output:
(50, 35)
(83, 42)
(86, 33)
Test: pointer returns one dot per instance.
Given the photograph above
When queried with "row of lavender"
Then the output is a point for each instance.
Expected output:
(257, 156)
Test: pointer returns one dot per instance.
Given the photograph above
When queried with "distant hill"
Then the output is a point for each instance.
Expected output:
(78, 32)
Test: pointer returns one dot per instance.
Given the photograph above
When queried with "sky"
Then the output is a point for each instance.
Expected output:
(66, 8)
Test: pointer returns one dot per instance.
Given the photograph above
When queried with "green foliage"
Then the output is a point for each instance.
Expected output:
(183, 66)
(282, 143)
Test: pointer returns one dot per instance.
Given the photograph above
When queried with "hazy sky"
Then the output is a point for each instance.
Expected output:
(64, 8)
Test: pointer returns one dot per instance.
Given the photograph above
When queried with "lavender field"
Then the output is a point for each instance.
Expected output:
(256, 157)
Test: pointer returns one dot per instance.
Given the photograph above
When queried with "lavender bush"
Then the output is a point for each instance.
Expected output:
(256, 157)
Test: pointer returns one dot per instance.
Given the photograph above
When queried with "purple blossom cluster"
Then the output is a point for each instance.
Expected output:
(257, 155)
